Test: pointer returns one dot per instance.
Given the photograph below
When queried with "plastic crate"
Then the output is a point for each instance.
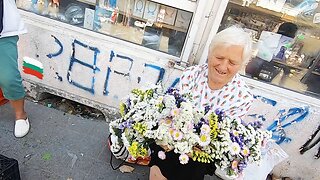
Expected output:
(9, 169)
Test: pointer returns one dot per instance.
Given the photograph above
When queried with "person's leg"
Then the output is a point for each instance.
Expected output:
(18, 106)
(11, 83)
(155, 174)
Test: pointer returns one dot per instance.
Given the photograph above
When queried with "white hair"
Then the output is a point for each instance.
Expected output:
(234, 36)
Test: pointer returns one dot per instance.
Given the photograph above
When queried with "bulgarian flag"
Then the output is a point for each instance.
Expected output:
(33, 67)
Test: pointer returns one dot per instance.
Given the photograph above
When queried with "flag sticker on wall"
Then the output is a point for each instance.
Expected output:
(33, 67)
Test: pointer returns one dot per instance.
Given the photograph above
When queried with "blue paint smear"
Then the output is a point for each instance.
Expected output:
(93, 67)
(161, 73)
(59, 77)
(51, 55)
(175, 82)
(111, 56)
(106, 92)
(265, 100)
(127, 58)
(257, 116)
(120, 73)
(303, 111)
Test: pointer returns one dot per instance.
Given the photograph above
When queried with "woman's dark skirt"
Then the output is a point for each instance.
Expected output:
(172, 169)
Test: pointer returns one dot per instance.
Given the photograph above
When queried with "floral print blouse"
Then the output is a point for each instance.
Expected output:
(234, 98)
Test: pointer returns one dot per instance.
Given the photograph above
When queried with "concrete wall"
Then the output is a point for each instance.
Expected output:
(84, 66)
(269, 101)
(98, 71)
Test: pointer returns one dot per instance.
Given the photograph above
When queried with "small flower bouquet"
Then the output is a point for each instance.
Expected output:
(229, 143)
(152, 115)
(139, 112)
(169, 119)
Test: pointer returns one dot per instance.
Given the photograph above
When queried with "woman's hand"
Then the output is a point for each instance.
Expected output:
(166, 148)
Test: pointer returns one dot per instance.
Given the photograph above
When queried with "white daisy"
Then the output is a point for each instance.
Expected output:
(177, 135)
(205, 129)
(245, 151)
(184, 159)
(235, 148)
(175, 112)
(204, 140)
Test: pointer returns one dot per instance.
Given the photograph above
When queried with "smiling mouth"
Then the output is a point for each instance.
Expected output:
(220, 72)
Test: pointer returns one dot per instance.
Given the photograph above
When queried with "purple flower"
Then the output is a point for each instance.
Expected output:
(239, 141)
(125, 124)
(128, 104)
(206, 109)
(121, 126)
(242, 165)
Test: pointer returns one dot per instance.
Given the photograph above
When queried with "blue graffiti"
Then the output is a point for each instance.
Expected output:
(90, 88)
(257, 116)
(278, 126)
(160, 69)
(75, 60)
(265, 100)
(111, 56)
(126, 58)
(106, 92)
(175, 82)
(59, 77)
(121, 57)
(51, 55)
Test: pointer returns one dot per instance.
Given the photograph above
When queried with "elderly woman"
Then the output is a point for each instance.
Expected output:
(216, 84)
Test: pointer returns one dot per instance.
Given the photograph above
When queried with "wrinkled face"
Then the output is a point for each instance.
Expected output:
(224, 61)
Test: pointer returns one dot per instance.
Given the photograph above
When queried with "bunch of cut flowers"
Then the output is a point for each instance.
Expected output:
(169, 119)
(153, 115)
(228, 142)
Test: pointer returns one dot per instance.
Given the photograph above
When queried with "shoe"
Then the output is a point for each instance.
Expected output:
(21, 128)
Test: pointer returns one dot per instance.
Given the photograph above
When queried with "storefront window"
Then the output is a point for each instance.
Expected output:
(286, 37)
(150, 24)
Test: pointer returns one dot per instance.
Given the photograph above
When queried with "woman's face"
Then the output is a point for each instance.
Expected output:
(224, 62)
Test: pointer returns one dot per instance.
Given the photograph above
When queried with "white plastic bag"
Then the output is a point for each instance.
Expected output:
(273, 154)
(267, 45)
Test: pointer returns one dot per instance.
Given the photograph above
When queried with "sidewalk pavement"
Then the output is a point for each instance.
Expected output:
(61, 146)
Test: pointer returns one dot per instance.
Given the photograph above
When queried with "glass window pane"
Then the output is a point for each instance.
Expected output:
(147, 23)
(152, 25)
(68, 11)
(286, 41)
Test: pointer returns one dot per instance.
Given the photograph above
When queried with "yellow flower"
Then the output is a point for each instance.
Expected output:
(201, 156)
(143, 152)
(140, 127)
(122, 109)
(213, 123)
(133, 149)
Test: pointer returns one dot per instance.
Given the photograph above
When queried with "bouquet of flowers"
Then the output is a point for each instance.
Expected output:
(170, 119)
(152, 115)
(230, 143)
(138, 114)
